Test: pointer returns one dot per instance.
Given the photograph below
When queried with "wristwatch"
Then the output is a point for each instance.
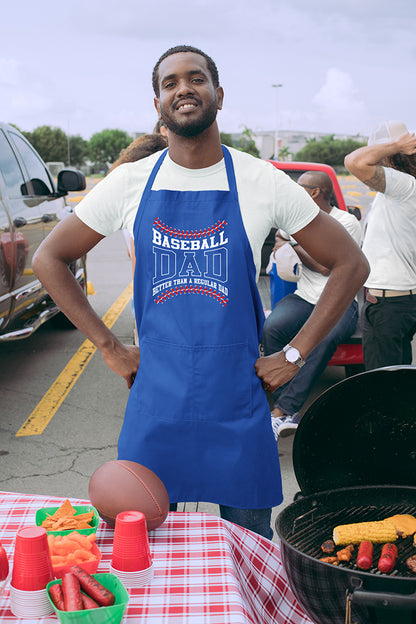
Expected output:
(293, 356)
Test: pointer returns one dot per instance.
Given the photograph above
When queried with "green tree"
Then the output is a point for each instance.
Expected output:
(78, 150)
(284, 153)
(327, 150)
(247, 144)
(226, 139)
(104, 147)
(51, 143)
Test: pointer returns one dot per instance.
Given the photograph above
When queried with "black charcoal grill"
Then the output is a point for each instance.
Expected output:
(355, 460)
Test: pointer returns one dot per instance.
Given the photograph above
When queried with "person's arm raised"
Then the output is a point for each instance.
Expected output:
(328, 242)
(365, 162)
(67, 242)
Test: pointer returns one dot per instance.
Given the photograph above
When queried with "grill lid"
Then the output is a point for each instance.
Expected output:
(361, 431)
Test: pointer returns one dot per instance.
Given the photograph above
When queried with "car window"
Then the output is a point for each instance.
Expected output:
(38, 175)
(10, 169)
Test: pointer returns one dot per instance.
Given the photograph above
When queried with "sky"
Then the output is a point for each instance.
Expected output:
(86, 65)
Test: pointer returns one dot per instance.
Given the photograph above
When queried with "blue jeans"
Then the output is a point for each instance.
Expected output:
(257, 520)
(284, 322)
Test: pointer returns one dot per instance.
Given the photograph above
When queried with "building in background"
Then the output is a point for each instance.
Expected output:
(290, 141)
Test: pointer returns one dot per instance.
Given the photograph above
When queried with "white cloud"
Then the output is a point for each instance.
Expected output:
(338, 104)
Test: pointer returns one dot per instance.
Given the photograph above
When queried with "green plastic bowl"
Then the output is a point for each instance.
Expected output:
(102, 615)
(44, 512)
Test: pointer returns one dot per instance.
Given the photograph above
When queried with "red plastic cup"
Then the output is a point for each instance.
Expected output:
(131, 550)
(32, 568)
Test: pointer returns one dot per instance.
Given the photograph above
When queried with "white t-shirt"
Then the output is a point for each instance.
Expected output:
(312, 283)
(390, 239)
(267, 196)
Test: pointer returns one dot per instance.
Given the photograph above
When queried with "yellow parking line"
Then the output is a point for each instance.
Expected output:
(59, 390)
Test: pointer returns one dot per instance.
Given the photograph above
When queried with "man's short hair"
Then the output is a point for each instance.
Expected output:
(323, 181)
(176, 50)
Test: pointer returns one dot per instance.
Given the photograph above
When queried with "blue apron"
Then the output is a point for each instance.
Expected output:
(197, 414)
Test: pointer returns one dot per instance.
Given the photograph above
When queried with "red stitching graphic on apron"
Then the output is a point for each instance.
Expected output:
(197, 290)
(188, 234)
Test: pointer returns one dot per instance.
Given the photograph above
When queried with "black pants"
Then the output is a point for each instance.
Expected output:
(388, 328)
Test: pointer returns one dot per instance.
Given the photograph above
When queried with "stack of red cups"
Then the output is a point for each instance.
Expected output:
(131, 560)
(32, 571)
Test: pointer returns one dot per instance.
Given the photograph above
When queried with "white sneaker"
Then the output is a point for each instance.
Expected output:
(276, 423)
(288, 425)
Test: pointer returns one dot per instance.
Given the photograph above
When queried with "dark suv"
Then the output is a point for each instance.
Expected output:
(31, 204)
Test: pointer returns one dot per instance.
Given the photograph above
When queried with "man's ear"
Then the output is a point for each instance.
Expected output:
(157, 106)
(220, 96)
(315, 192)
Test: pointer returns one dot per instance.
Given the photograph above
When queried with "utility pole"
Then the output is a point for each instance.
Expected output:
(276, 132)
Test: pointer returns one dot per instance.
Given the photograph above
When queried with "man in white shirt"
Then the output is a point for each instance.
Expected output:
(197, 414)
(388, 165)
(291, 312)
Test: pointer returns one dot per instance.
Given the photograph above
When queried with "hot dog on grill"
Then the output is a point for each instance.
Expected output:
(388, 558)
(365, 555)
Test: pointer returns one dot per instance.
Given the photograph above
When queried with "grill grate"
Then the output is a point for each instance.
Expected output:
(313, 528)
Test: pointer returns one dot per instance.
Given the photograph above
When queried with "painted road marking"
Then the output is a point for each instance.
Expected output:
(59, 390)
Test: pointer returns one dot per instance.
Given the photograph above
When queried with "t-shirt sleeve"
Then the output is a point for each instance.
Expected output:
(352, 225)
(399, 185)
(101, 207)
(294, 209)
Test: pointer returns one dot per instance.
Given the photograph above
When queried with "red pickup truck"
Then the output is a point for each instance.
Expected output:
(350, 354)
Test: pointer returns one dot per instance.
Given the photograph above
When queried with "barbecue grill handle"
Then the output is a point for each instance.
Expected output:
(384, 599)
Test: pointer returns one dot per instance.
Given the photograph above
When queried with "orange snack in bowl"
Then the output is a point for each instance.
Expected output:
(65, 519)
(71, 549)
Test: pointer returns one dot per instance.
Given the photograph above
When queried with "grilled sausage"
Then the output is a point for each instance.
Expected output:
(388, 558)
(72, 592)
(365, 556)
(93, 588)
(57, 596)
(88, 602)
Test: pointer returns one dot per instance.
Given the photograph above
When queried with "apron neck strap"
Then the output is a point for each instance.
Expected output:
(229, 167)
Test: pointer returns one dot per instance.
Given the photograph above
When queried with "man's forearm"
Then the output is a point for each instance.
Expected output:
(62, 286)
(341, 288)
(309, 262)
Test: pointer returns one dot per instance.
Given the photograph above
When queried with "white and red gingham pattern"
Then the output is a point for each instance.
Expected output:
(206, 570)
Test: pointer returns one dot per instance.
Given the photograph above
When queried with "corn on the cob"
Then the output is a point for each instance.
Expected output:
(376, 532)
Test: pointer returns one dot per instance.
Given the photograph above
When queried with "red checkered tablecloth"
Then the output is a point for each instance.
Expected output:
(206, 570)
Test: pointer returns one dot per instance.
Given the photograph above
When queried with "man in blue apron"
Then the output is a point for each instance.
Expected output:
(197, 414)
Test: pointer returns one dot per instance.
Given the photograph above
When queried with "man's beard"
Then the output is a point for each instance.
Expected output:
(191, 128)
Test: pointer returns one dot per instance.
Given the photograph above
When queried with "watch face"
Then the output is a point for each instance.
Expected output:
(292, 355)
